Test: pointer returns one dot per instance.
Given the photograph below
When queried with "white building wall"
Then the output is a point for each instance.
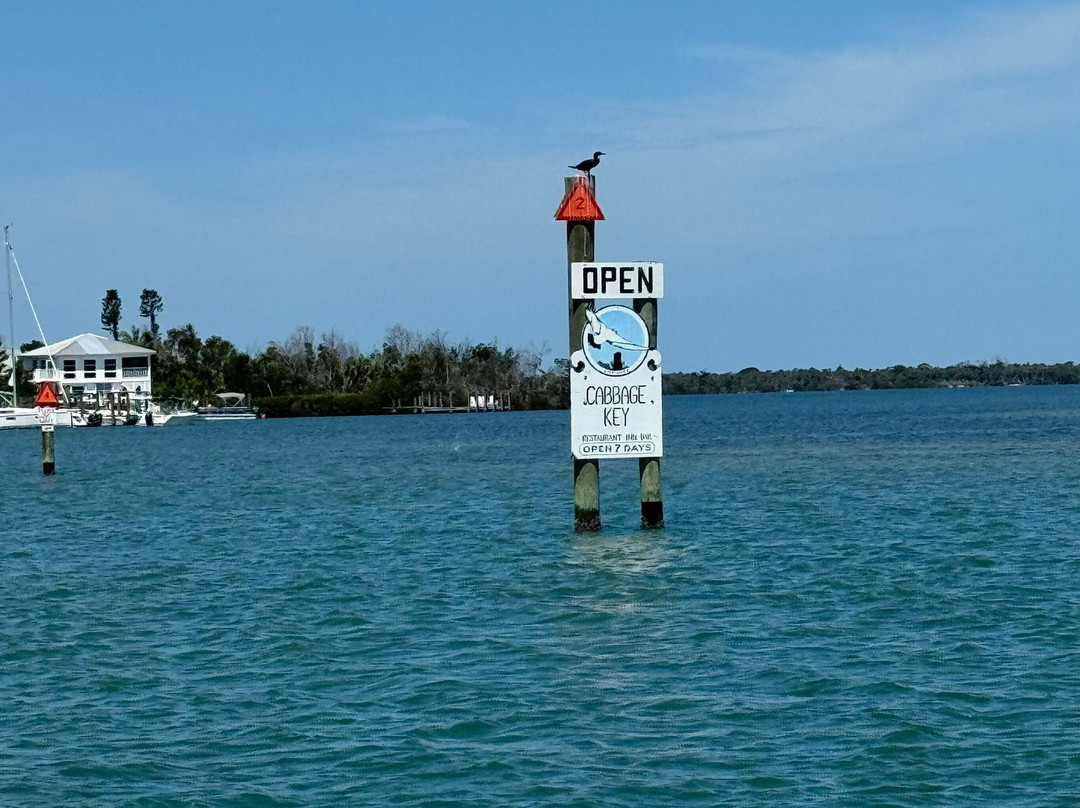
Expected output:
(97, 376)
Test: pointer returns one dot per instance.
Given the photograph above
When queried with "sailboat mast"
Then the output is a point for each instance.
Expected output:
(11, 315)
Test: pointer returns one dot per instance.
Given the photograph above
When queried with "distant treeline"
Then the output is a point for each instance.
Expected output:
(305, 375)
(964, 374)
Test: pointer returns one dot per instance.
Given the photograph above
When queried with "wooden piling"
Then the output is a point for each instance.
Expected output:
(652, 500)
(580, 246)
(46, 404)
(48, 452)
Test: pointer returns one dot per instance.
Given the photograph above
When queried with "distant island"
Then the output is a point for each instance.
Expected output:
(305, 375)
(965, 374)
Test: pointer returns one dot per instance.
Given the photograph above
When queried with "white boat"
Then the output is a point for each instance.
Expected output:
(19, 418)
(169, 415)
(170, 418)
(232, 408)
(27, 418)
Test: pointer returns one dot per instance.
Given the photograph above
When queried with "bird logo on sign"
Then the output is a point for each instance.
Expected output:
(615, 340)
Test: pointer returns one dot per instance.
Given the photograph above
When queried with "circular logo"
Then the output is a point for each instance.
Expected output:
(615, 340)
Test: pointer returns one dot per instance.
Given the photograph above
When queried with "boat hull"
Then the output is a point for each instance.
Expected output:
(26, 418)
(167, 418)
(174, 419)
(227, 414)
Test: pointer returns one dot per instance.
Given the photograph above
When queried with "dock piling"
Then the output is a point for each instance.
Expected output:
(48, 452)
(652, 500)
(580, 246)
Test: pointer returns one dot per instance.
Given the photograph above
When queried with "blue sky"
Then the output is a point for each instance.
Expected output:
(831, 183)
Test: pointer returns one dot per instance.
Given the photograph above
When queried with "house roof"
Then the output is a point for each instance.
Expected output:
(90, 345)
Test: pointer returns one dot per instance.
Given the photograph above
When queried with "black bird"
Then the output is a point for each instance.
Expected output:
(588, 165)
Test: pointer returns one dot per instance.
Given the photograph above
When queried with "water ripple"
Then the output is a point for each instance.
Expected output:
(859, 600)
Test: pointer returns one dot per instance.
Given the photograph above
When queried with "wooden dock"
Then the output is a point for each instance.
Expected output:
(433, 404)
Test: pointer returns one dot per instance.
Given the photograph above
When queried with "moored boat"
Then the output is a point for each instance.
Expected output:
(232, 408)
(27, 418)
(166, 412)
(173, 418)
(155, 416)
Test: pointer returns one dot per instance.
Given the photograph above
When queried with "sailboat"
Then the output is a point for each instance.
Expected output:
(13, 416)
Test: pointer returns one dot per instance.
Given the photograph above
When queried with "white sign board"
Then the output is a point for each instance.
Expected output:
(616, 279)
(615, 403)
(46, 416)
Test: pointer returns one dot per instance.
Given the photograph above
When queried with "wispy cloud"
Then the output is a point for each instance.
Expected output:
(986, 75)
(855, 142)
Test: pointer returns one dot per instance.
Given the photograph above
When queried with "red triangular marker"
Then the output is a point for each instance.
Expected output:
(579, 205)
(46, 396)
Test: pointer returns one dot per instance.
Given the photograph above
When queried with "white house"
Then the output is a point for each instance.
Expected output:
(95, 370)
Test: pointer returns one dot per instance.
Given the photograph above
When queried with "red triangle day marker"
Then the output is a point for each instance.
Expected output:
(46, 396)
(579, 205)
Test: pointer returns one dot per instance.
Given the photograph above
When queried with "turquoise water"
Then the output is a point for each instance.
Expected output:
(861, 599)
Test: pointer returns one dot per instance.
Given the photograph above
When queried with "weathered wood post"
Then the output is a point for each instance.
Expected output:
(580, 220)
(48, 450)
(652, 500)
(46, 403)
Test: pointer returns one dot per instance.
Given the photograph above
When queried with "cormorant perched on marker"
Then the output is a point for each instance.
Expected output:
(588, 165)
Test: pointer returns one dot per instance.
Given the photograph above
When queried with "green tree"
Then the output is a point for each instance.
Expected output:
(149, 305)
(176, 366)
(23, 375)
(110, 313)
(215, 359)
(184, 344)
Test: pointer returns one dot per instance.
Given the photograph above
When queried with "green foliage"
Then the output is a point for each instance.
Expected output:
(23, 383)
(328, 376)
(110, 313)
(140, 337)
(322, 404)
(150, 303)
